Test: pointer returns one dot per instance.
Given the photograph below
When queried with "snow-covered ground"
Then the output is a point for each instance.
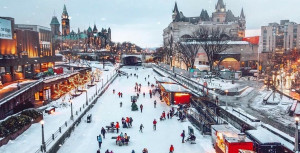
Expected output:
(30, 140)
(107, 110)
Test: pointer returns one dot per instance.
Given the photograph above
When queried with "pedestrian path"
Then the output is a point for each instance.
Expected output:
(108, 110)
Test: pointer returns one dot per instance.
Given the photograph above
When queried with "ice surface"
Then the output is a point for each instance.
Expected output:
(107, 110)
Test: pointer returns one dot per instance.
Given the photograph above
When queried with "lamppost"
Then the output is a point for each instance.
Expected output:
(43, 137)
(86, 102)
(72, 117)
(96, 88)
(296, 135)
(171, 58)
(226, 91)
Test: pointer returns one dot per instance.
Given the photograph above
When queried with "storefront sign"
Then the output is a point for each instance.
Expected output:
(5, 29)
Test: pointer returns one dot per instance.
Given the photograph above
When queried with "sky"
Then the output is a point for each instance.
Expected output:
(142, 21)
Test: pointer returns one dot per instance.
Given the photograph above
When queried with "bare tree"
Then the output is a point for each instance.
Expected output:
(169, 50)
(188, 52)
(213, 41)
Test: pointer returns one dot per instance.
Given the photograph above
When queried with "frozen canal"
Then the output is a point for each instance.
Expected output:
(108, 110)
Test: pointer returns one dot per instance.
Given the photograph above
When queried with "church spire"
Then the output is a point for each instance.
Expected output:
(65, 12)
(220, 7)
(175, 8)
(242, 14)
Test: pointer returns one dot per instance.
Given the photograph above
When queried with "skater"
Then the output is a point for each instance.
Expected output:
(183, 136)
(121, 94)
(145, 78)
(141, 128)
(103, 132)
(99, 139)
(132, 151)
(127, 122)
(98, 151)
(168, 115)
(138, 95)
(121, 104)
(154, 125)
(141, 106)
(154, 103)
(164, 114)
(171, 149)
(130, 121)
(145, 150)
(148, 75)
(148, 83)
(18, 85)
(113, 91)
(117, 127)
(144, 94)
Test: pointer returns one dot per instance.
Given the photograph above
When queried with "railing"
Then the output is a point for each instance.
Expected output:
(64, 131)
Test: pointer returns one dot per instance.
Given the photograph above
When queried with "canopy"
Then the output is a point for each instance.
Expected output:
(165, 80)
(175, 88)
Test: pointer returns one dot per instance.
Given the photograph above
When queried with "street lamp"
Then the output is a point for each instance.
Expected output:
(296, 135)
(43, 137)
(171, 59)
(96, 89)
(72, 117)
(226, 91)
(86, 91)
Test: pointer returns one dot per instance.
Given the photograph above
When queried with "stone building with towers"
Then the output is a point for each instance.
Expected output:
(182, 26)
(241, 53)
(86, 40)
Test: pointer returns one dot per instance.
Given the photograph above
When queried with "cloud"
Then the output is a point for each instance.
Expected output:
(103, 19)
(5, 7)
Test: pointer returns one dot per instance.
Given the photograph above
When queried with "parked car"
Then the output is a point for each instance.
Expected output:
(39, 75)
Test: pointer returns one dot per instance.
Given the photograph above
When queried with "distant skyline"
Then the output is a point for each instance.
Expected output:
(142, 21)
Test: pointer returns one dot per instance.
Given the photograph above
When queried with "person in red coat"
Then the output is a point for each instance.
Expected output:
(171, 149)
(118, 139)
(127, 121)
(164, 114)
(154, 124)
(117, 127)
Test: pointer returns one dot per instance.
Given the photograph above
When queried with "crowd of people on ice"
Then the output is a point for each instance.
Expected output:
(121, 139)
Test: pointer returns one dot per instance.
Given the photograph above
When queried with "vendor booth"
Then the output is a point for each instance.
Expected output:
(227, 139)
(174, 94)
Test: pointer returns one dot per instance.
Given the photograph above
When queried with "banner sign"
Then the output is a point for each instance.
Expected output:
(5, 29)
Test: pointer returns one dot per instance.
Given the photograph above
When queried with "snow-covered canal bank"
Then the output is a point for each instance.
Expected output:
(107, 110)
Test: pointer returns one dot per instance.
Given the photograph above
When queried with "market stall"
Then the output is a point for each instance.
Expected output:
(227, 139)
(174, 94)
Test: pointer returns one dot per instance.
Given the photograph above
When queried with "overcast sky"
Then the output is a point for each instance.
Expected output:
(142, 21)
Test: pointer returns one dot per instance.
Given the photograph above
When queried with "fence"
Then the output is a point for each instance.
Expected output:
(65, 130)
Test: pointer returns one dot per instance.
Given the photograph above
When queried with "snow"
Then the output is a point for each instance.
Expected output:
(107, 110)
(174, 88)
(164, 80)
(30, 140)
(265, 136)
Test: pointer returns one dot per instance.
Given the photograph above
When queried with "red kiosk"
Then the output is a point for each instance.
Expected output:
(227, 139)
(175, 94)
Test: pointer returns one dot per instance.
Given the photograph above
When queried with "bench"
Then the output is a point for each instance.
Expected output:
(120, 142)
(110, 129)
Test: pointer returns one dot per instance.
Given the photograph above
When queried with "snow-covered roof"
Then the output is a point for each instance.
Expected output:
(225, 42)
(174, 88)
(164, 80)
(265, 136)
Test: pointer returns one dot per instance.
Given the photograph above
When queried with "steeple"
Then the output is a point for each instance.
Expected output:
(175, 8)
(176, 14)
(65, 12)
(95, 30)
(220, 7)
(242, 14)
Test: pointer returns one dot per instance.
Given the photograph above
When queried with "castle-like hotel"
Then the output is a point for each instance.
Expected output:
(183, 27)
